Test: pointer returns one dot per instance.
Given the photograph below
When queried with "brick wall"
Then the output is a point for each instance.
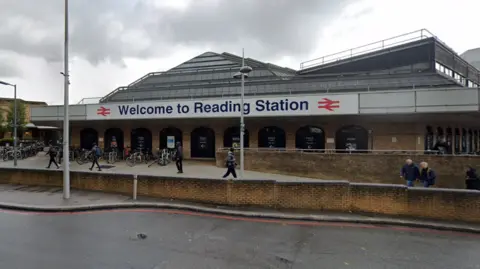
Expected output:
(373, 168)
(341, 196)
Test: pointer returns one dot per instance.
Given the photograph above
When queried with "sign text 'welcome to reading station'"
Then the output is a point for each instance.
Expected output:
(207, 108)
(275, 106)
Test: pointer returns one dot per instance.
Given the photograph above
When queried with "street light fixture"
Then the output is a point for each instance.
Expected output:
(243, 73)
(14, 120)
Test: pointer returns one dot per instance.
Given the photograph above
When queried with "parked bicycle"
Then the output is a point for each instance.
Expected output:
(138, 157)
(85, 156)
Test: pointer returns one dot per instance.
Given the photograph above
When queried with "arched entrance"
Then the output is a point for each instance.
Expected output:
(271, 137)
(141, 140)
(351, 139)
(231, 138)
(169, 137)
(116, 133)
(310, 137)
(202, 143)
(88, 137)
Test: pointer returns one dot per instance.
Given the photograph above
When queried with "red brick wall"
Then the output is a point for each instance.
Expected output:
(373, 168)
(441, 204)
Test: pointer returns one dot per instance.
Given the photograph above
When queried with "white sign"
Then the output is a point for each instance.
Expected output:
(170, 142)
(341, 104)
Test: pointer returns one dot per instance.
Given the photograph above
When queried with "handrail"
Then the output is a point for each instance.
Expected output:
(342, 151)
(383, 44)
(144, 77)
(320, 90)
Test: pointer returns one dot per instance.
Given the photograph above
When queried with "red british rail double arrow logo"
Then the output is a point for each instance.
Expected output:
(328, 104)
(103, 111)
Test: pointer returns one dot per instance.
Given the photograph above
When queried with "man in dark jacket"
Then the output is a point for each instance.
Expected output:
(427, 175)
(471, 179)
(96, 153)
(179, 157)
(52, 152)
(230, 163)
(409, 172)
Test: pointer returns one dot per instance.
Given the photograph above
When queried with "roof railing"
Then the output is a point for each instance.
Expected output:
(324, 89)
(144, 77)
(364, 49)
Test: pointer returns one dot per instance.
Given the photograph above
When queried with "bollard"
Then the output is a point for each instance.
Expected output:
(135, 183)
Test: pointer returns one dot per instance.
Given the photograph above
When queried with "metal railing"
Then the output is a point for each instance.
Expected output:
(354, 86)
(364, 49)
(89, 100)
(341, 151)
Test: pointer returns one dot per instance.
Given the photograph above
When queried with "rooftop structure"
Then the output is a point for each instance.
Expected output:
(413, 60)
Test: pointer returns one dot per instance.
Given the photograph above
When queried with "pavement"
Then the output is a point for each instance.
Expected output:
(50, 199)
(163, 239)
(198, 169)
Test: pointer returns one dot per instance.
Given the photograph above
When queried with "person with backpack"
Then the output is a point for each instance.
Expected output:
(97, 153)
(427, 175)
(52, 152)
(230, 163)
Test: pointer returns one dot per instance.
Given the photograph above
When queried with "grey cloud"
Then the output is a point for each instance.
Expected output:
(8, 69)
(111, 30)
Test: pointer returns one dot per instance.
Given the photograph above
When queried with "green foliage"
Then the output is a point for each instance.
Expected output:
(21, 116)
(5, 141)
(3, 121)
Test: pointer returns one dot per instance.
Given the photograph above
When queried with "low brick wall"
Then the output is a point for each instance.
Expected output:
(340, 196)
(363, 168)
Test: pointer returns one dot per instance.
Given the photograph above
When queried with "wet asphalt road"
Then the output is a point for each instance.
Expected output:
(109, 240)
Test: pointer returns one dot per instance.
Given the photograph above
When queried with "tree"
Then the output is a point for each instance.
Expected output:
(3, 121)
(21, 117)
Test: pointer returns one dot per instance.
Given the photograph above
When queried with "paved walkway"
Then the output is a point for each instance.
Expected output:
(50, 199)
(199, 169)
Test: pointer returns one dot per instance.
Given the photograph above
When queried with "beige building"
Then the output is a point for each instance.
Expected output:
(5, 104)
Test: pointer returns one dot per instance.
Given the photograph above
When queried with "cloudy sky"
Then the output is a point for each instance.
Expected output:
(114, 42)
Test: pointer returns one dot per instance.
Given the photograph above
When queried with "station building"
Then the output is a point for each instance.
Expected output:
(402, 93)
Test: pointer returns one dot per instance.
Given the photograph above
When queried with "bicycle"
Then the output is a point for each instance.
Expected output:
(85, 157)
(164, 157)
(112, 156)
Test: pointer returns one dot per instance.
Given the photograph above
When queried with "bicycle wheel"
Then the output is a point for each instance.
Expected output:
(130, 161)
(80, 160)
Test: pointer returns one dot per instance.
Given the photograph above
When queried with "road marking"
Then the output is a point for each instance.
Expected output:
(250, 219)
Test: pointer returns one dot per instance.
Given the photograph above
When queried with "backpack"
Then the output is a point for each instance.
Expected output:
(53, 151)
(98, 152)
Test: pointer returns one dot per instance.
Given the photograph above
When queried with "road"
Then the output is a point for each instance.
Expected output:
(183, 240)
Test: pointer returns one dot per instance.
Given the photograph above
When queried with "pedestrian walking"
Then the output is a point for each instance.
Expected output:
(471, 179)
(52, 152)
(96, 153)
(427, 175)
(409, 172)
(179, 158)
(230, 164)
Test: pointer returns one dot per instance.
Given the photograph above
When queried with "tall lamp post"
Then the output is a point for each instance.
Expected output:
(243, 73)
(66, 124)
(14, 120)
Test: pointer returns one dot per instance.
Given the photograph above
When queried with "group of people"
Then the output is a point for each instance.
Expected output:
(97, 153)
(412, 173)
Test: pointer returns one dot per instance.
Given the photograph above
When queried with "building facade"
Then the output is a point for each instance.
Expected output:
(398, 97)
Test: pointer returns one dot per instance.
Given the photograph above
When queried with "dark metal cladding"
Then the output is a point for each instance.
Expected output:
(418, 63)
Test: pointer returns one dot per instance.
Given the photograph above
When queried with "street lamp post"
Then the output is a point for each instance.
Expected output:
(14, 120)
(66, 124)
(244, 71)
